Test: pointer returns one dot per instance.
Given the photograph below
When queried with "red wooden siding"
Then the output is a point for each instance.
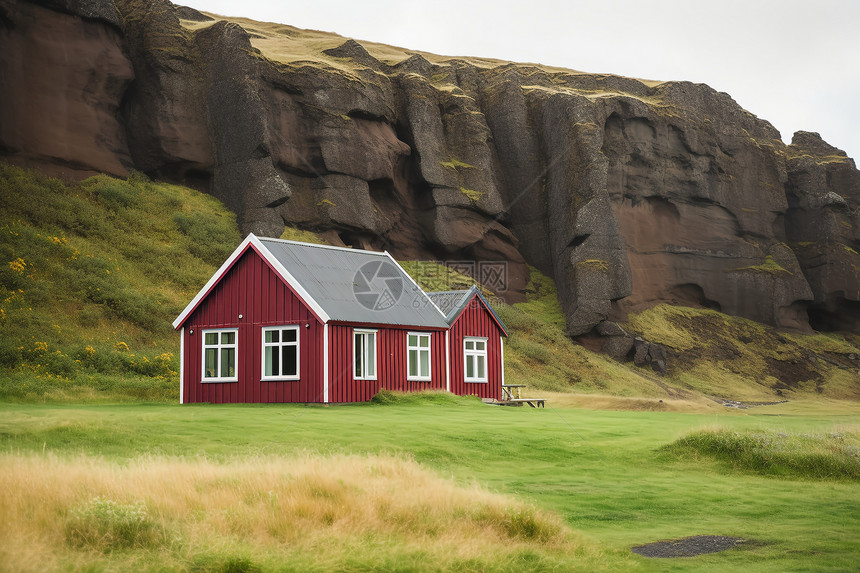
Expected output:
(390, 363)
(476, 320)
(254, 290)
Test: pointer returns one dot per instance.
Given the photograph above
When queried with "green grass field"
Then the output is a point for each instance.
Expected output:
(613, 477)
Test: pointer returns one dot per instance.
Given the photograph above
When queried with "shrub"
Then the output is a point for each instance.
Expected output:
(10, 353)
(521, 522)
(384, 397)
(811, 456)
(106, 525)
(387, 397)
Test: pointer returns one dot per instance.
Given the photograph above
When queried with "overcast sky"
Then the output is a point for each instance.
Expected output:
(795, 63)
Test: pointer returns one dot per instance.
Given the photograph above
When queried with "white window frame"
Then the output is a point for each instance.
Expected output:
(366, 356)
(420, 350)
(219, 346)
(279, 345)
(475, 354)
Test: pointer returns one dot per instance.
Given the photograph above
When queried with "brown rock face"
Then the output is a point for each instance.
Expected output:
(627, 193)
(823, 224)
(62, 79)
(702, 212)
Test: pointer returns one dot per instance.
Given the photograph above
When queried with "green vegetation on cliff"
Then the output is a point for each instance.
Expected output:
(739, 359)
(91, 276)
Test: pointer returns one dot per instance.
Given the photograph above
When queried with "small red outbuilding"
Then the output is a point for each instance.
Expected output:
(476, 353)
(283, 321)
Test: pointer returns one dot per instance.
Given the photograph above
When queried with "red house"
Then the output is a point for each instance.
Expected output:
(283, 321)
(476, 354)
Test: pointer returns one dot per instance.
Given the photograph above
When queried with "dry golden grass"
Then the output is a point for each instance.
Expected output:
(283, 508)
(693, 404)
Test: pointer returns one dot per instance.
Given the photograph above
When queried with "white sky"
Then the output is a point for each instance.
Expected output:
(795, 63)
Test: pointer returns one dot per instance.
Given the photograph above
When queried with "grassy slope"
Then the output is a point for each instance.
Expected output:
(603, 472)
(92, 275)
(739, 359)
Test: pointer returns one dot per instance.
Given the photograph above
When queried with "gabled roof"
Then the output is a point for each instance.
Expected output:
(453, 302)
(339, 284)
(450, 302)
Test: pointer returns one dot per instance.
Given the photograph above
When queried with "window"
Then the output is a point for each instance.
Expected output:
(364, 354)
(219, 355)
(418, 356)
(475, 359)
(281, 353)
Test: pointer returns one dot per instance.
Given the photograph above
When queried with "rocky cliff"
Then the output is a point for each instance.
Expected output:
(627, 192)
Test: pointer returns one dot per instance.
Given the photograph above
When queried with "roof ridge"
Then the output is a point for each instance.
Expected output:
(331, 247)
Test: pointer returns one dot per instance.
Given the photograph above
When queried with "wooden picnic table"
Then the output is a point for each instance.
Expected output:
(511, 396)
(512, 391)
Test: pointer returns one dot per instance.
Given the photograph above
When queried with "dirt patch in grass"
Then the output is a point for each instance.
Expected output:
(688, 546)
(791, 373)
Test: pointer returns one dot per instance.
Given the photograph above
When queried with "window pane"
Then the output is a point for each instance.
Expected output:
(424, 341)
(479, 344)
(211, 338)
(470, 366)
(290, 335)
(413, 340)
(480, 360)
(211, 363)
(272, 336)
(228, 338)
(413, 362)
(356, 343)
(228, 362)
(470, 345)
(371, 355)
(290, 362)
(268, 366)
(425, 364)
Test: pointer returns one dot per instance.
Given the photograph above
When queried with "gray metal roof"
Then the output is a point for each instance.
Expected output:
(356, 286)
(450, 302)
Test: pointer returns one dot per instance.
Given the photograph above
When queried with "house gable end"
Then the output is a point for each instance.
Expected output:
(464, 303)
(251, 243)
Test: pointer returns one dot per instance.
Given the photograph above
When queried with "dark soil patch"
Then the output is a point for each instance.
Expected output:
(688, 546)
(791, 373)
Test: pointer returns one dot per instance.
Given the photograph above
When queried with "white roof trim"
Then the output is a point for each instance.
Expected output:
(212, 280)
(265, 253)
(427, 298)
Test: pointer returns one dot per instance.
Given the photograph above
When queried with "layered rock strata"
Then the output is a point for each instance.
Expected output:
(628, 193)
